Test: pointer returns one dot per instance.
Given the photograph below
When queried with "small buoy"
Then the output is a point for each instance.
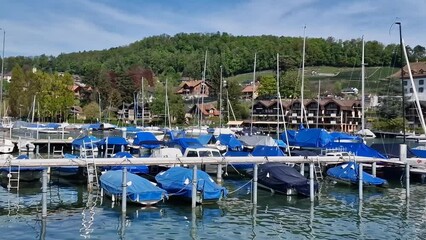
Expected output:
(9, 175)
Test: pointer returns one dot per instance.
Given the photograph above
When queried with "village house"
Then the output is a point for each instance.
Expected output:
(330, 114)
(190, 89)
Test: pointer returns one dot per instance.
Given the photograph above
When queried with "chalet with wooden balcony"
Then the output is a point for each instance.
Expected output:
(331, 114)
(250, 92)
(207, 110)
(190, 89)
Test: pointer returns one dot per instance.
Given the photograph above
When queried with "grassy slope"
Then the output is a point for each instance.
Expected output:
(345, 77)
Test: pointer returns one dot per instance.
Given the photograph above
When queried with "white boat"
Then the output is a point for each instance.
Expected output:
(6, 146)
(6, 122)
(25, 145)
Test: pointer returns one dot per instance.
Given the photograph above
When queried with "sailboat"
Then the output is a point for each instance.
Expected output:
(364, 133)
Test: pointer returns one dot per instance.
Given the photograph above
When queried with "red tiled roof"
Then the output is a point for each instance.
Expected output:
(418, 70)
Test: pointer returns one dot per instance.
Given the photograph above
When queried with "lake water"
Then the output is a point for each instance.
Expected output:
(336, 214)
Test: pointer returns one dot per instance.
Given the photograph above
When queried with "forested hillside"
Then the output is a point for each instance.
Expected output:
(115, 73)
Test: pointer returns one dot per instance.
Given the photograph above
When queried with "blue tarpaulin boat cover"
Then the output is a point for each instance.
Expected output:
(312, 137)
(132, 169)
(113, 140)
(206, 139)
(146, 140)
(230, 141)
(267, 151)
(341, 136)
(140, 189)
(178, 181)
(348, 172)
(86, 140)
(357, 148)
(291, 135)
(184, 143)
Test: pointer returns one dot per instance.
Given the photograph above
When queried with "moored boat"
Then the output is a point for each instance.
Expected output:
(283, 179)
(139, 189)
(349, 173)
(177, 181)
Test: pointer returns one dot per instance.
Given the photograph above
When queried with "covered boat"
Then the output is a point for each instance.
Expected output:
(69, 172)
(177, 181)
(26, 174)
(139, 189)
(349, 173)
(138, 169)
(281, 178)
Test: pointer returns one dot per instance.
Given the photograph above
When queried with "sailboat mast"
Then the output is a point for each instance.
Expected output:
(143, 103)
(252, 95)
(402, 81)
(203, 89)
(302, 106)
(220, 97)
(362, 89)
(416, 97)
(319, 98)
(278, 94)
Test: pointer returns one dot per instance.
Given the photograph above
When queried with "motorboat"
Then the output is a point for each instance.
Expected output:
(283, 179)
(177, 181)
(349, 173)
(139, 189)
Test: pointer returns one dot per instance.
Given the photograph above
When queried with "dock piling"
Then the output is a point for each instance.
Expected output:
(302, 169)
(360, 181)
(194, 186)
(255, 168)
(407, 179)
(219, 173)
(44, 195)
(124, 194)
(48, 147)
(311, 182)
(374, 168)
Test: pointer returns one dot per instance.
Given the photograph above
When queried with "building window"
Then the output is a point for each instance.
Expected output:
(421, 89)
(411, 90)
(421, 82)
(405, 82)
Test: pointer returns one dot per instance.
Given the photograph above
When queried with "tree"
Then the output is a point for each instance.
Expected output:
(268, 86)
(91, 111)
(290, 84)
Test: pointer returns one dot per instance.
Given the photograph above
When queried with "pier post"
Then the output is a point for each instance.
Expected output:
(19, 143)
(374, 168)
(219, 173)
(360, 181)
(407, 179)
(194, 186)
(302, 169)
(90, 171)
(124, 133)
(255, 184)
(48, 147)
(402, 152)
(311, 182)
(44, 195)
(37, 132)
(37, 151)
(124, 193)
(63, 132)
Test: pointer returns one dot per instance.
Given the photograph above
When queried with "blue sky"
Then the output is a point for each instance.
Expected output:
(51, 27)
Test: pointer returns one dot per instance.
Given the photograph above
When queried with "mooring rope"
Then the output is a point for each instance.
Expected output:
(238, 189)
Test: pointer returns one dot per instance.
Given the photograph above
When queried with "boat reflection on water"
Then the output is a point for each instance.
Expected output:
(350, 196)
